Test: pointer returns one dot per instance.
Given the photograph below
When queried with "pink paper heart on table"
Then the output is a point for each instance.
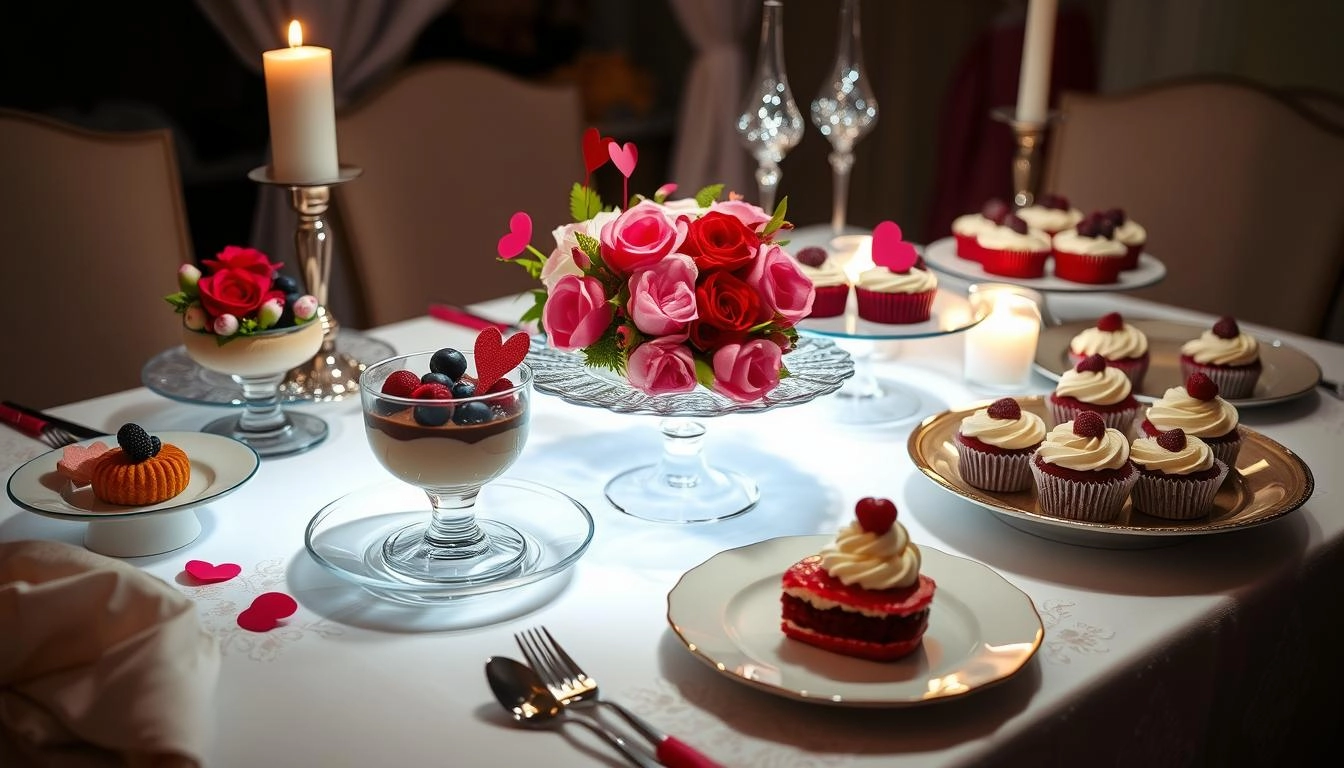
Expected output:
(624, 157)
(201, 570)
(266, 611)
(520, 234)
(496, 357)
(595, 149)
(890, 251)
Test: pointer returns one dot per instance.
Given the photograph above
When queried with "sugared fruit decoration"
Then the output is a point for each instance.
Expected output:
(1173, 440)
(1089, 424)
(1005, 408)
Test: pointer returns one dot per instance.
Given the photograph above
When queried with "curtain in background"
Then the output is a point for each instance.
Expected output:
(706, 149)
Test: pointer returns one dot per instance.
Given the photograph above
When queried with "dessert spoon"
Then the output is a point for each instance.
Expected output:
(522, 693)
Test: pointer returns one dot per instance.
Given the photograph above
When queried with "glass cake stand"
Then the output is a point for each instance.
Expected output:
(682, 487)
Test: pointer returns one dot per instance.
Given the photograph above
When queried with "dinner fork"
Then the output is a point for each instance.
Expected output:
(52, 435)
(574, 687)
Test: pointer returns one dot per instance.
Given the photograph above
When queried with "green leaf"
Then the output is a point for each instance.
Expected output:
(179, 300)
(704, 372)
(777, 220)
(606, 353)
(528, 262)
(538, 304)
(584, 202)
(707, 195)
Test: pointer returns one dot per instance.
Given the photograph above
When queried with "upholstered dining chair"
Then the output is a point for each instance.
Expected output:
(93, 228)
(1241, 191)
(449, 152)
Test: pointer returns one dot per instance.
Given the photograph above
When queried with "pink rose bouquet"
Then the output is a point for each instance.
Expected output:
(669, 294)
(239, 293)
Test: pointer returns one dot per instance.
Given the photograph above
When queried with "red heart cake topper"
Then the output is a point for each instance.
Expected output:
(624, 157)
(496, 357)
(200, 570)
(595, 149)
(890, 251)
(520, 234)
(267, 611)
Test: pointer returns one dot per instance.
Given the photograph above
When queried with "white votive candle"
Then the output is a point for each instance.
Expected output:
(1033, 83)
(302, 111)
(1001, 348)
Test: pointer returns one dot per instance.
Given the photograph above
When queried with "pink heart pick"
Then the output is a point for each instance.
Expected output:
(595, 149)
(890, 251)
(496, 357)
(624, 157)
(520, 234)
(201, 570)
(266, 611)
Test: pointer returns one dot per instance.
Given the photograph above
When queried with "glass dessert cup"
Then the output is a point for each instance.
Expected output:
(258, 363)
(449, 449)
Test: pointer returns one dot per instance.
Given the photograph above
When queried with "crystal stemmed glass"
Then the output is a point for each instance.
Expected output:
(770, 124)
(258, 363)
(844, 109)
(449, 449)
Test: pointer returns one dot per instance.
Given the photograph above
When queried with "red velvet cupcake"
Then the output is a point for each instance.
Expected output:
(1179, 476)
(1083, 471)
(829, 281)
(1089, 254)
(1014, 249)
(1093, 385)
(900, 289)
(1199, 411)
(1124, 347)
(1227, 355)
(1129, 232)
(967, 229)
(995, 445)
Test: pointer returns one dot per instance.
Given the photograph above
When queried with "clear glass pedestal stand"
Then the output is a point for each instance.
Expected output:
(869, 400)
(682, 487)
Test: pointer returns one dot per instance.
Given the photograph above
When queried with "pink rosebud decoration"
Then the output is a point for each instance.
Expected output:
(305, 307)
(194, 318)
(783, 287)
(577, 312)
(661, 367)
(640, 237)
(662, 192)
(187, 277)
(226, 325)
(746, 372)
(270, 313)
(662, 297)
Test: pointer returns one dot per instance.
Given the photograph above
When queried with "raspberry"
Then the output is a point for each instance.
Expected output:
(875, 515)
(136, 442)
(812, 256)
(1005, 408)
(432, 391)
(401, 384)
(1115, 215)
(995, 209)
(1111, 323)
(1226, 328)
(1173, 440)
(499, 386)
(1089, 424)
(1091, 364)
(1015, 223)
(1201, 387)
(1051, 200)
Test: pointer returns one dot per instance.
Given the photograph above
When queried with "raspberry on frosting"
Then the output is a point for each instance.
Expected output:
(1089, 424)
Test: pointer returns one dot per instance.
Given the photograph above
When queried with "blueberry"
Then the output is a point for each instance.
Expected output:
(432, 415)
(464, 389)
(472, 413)
(434, 377)
(285, 284)
(287, 316)
(449, 362)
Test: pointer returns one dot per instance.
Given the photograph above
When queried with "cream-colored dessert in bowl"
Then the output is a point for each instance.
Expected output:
(260, 354)
(446, 456)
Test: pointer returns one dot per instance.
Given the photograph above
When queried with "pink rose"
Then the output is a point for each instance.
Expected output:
(752, 216)
(640, 237)
(662, 297)
(577, 312)
(661, 367)
(782, 286)
(746, 372)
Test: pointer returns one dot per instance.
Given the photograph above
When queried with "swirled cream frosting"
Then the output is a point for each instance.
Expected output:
(1026, 431)
(828, 274)
(872, 561)
(1200, 418)
(1113, 345)
(883, 280)
(1194, 457)
(1065, 449)
(1050, 219)
(1069, 241)
(972, 224)
(1131, 233)
(1006, 239)
(1105, 387)
(1212, 349)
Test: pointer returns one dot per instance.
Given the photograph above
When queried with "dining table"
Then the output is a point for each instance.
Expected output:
(1216, 649)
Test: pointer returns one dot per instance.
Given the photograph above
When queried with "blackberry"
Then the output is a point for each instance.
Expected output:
(136, 442)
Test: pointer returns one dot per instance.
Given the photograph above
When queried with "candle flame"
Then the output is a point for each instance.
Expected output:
(295, 34)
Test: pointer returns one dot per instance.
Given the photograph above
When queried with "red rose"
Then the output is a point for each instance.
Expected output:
(719, 241)
(247, 259)
(237, 292)
(707, 338)
(728, 306)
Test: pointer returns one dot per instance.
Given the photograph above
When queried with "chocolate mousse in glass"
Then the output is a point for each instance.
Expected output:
(449, 447)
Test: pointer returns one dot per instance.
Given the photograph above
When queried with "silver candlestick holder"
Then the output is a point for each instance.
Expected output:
(331, 374)
(1027, 160)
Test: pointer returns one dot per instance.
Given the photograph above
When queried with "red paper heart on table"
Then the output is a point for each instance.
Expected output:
(200, 570)
(595, 149)
(496, 357)
(890, 251)
(624, 157)
(267, 611)
(520, 234)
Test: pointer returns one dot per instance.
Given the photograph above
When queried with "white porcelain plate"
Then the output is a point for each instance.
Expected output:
(982, 630)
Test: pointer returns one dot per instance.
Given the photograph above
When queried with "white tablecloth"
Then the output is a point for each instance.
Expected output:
(1216, 651)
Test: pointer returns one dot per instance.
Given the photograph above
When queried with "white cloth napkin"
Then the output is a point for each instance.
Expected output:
(100, 663)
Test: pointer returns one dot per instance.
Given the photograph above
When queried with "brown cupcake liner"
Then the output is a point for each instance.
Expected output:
(1089, 501)
(1174, 497)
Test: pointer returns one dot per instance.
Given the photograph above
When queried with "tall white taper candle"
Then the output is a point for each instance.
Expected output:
(1033, 84)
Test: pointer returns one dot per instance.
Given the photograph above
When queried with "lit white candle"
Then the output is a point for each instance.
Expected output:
(1033, 83)
(302, 111)
(1001, 348)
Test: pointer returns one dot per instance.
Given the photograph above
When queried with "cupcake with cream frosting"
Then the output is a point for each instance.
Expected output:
(828, 279)
(1178, 475)
(1129, 232)
(900, 289)
(1227, 355)
(1014, 249)
(1093, 385)
(1124, 346)
(968, 227)
(1089, 252)
(1082, 470)
(1198, 411)
(995, 445)
(1051, 214)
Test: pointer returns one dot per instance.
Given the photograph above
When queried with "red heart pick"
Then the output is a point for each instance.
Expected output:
(520, 234)
(495, 357)
(875, 515)
(200, 570)
(266, 611)
(890, 251)
(624, 157)
(595, 149)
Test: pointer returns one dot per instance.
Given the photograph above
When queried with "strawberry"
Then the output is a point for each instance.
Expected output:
(1089, 424)
(1091, 364)
(401, 384)
(432, 391)
(1111, 323)
(1005, 408)
(875, 515)
(1226, 328)
(1201, 387)
(1173, 440)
